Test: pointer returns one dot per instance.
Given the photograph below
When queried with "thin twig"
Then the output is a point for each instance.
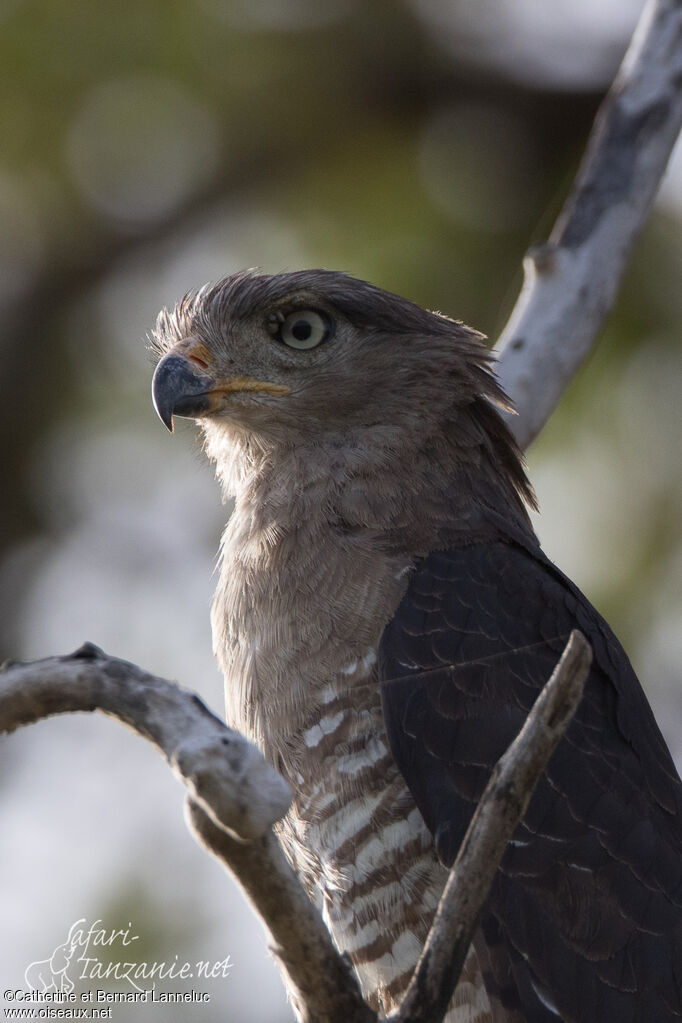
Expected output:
(571, 282)
(500, 809)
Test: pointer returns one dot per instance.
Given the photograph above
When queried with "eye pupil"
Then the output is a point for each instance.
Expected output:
(302, 330)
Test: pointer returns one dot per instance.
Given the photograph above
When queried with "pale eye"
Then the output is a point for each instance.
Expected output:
(304, 328)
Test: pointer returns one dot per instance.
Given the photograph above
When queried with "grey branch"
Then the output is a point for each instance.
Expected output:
(322, 983)
(225, 774)
(235, 796)
(500, 809)
(571, 281)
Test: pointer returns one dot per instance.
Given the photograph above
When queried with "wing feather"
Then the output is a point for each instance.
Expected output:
(584, 922)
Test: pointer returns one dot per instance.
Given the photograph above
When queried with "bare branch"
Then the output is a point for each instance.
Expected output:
(571, 281)
(500, 809)
(235, 795)
(224, 773)
(322, 984)
(234, 792)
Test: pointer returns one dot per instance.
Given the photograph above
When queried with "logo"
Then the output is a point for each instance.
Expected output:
(93, 953)
(59, 971)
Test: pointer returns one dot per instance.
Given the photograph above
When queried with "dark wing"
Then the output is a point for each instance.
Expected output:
(584, 920)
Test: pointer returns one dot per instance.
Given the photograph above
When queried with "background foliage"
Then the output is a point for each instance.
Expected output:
(150, 146)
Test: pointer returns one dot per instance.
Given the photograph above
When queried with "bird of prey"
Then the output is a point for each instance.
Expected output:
(385, 618)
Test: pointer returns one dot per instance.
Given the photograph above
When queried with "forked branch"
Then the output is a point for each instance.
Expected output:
(234, 792)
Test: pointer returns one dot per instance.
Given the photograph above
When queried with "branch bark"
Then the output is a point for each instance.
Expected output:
(226, 775)
(571, 281)
(235, 796)
(322, 984)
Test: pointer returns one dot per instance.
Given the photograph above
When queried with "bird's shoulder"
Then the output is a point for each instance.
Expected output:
(593, 876)
(482, 625)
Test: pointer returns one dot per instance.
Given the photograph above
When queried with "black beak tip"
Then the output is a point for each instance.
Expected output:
(162, 404)
(164, 413)
(178, 389)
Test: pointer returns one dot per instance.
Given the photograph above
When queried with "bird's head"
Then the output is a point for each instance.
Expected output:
(312, 350)
(311, 357)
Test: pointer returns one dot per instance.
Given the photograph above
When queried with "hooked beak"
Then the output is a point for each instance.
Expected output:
(180, 388)
(183, 384)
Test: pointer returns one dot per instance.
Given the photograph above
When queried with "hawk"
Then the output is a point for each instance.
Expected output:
(385, 618)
